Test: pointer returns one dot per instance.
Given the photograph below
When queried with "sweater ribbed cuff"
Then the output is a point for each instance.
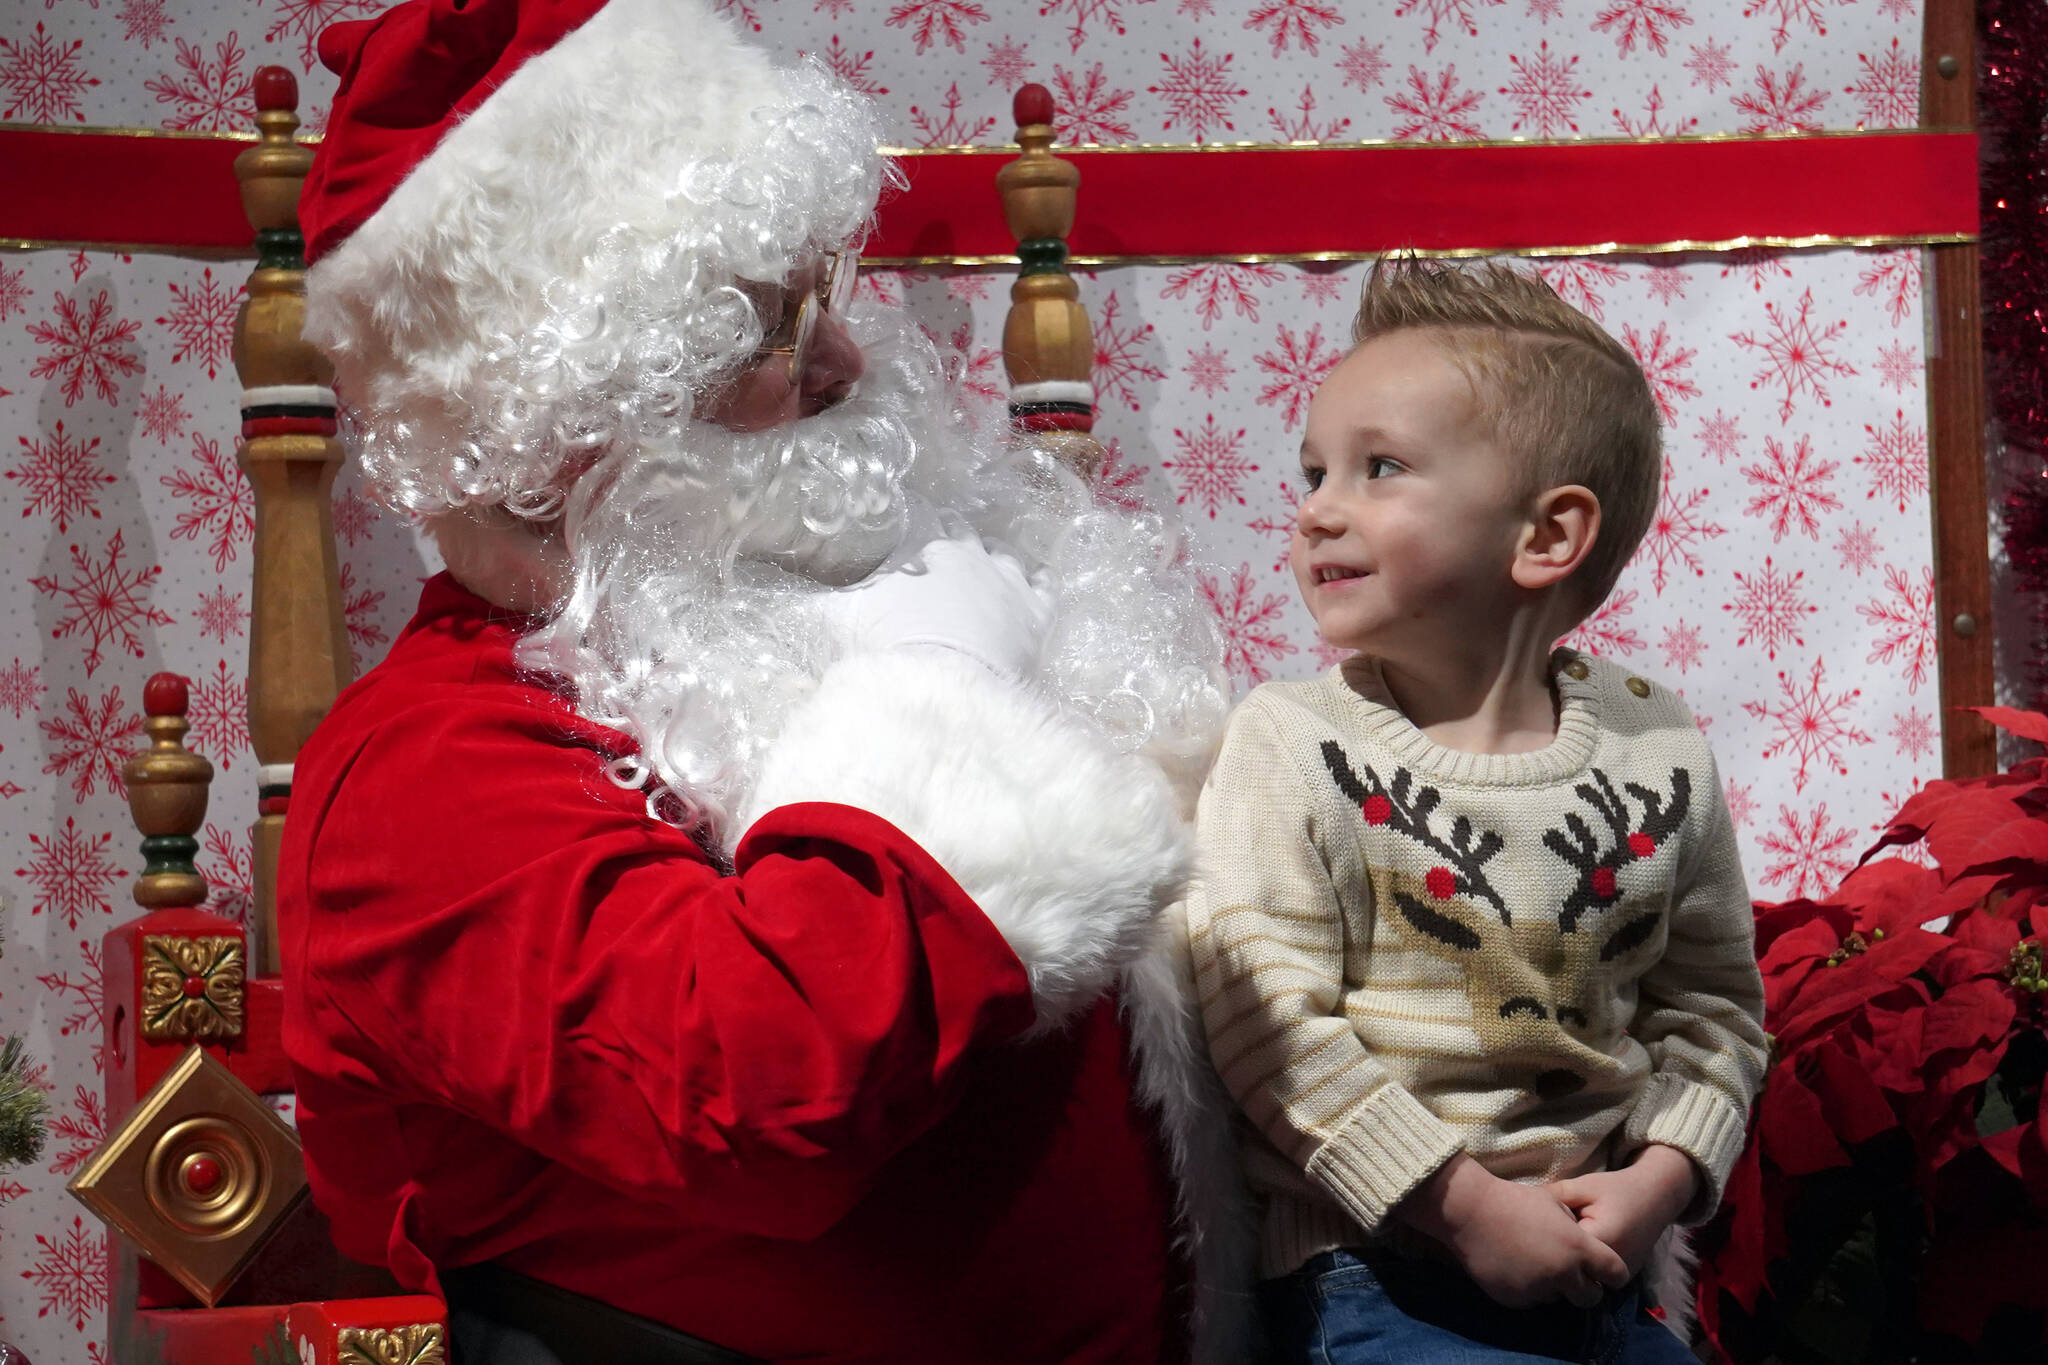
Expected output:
(1699, 1121)
(1383, 1151)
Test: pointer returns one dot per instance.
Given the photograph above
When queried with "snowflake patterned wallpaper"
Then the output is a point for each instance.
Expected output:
(1786, 588)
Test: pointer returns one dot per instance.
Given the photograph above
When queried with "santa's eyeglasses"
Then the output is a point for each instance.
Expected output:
(832, 294)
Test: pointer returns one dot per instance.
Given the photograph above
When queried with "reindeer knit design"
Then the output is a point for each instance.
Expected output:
(1404, 951)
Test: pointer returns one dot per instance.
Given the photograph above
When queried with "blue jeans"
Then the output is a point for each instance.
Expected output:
(1340, 1310)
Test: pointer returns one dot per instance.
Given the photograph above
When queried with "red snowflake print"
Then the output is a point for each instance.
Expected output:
(1119, 481)
(1292, 19)
(1109, 12)
(1781, 104)
(105, 602)
(1676, 531)
(746, 11)
(851, 66)
(1212, 286)
(1807, 857)
(832, 9)
(78, 1135)
(1741, 805)
(976, 370)
(883, 287)
(1811, 725)
(230, 874)
(1719, 434)
(220, 716)
(1769, 606)
(1198, 91)
(1904, 621)
(223, 506)
(1796, 354)
(1793, 488)
(79, 265)
(1858, 548)
(1893, 276)
(1280, 524)
(1118, 362)
(1914, 733)
(1786, 13)
(1604, 632)
(1666, 282)
(1895, 461)
(1889, 89)
(43, 80)
(931, 21)
(354, 516)
(1761, 263)
(1711, 65)
(221, 614)
(71, 874)
(1006, 63)
(211, 96)
(1210, 470)
(303, 19)
(1663, 362)
(1250, 620)
(1545, 92)
(359, 615)
(967, 288)
(1649, 22)
(71, 1274)
(1682, 646)
(1088, 108)
(1543, 11)
(1208, 370)
(61, 477)
(83, 1017)
(21, 687)
(13, 293)
(1652, 124)
(1321, 284)
(1579, 282)
(1363, 64)
(1897, 9)
(1915, 852)
(1303, 126)
(1898, 366)
(89, 741)
(1435, 113)
(143, 21)
(203, 320)
(86, 343)
(1296, 367)
(162, 414)
(1456, 13)
(951, 130)
(1197, 9)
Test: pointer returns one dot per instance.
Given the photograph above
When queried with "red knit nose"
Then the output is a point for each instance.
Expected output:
(1378, 810)
(1603, 883)
(1642, 845)
(1441, 883)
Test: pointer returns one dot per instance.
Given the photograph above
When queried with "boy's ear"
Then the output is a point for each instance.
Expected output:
(1563, 524)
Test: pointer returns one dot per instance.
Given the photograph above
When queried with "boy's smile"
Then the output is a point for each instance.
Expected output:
(1408, 524)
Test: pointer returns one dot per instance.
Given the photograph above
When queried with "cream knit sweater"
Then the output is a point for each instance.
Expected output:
(1404, 951)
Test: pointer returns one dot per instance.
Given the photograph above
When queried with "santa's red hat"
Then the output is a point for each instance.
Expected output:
(505, 183)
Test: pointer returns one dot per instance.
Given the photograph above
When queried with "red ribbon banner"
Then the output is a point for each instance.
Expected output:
(175, 193)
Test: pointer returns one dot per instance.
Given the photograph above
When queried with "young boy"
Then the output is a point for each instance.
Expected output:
(1473, 945)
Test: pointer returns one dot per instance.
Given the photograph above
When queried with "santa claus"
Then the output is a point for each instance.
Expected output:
(728, 924)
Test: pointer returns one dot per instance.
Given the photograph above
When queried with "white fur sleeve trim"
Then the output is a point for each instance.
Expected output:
(1071, 849)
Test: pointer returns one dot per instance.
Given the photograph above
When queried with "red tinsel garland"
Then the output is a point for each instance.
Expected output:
(2013, 117)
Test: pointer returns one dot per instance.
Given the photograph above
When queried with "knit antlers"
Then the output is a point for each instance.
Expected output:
(1406, 809)
(1633, 839)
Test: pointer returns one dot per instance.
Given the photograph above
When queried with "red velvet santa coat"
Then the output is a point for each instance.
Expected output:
(809, 1109)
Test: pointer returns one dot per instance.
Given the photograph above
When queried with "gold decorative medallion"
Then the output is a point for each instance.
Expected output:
(198, 1177)
(191, 988)
(419, 1344)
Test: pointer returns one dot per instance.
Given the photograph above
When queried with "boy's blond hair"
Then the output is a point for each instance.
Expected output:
(1567, 400)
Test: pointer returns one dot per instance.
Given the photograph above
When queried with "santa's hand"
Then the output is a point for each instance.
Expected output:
(952, 594)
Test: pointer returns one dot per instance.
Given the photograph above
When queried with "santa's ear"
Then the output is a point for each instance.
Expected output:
(1563, 524)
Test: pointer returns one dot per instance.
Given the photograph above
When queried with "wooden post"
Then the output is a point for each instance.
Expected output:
(1048, 345)
(298, 644)
(1955, 428)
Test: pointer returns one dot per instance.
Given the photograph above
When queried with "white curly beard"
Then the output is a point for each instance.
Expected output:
(688, 622)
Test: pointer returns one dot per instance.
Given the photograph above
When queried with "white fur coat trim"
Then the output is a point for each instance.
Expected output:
(1074, 852)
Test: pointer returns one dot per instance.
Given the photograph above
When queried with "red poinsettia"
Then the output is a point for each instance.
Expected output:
(1892, 1004)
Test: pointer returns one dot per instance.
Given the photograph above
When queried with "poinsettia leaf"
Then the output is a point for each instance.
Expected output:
(1793, 1128)
(1775, 921)
(1969, 1271)
(2026, 724)
(1856, 1109)
(1978, 827)
(1969, 1016)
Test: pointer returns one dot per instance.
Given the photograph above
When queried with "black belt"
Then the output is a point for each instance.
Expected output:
(500, 1317)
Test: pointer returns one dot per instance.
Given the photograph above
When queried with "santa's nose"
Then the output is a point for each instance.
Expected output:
(834, 365)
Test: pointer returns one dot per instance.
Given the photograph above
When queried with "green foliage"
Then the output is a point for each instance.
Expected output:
(22, 1107)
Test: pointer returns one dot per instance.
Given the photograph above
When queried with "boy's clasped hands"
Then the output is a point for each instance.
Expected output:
(1573, 1239)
